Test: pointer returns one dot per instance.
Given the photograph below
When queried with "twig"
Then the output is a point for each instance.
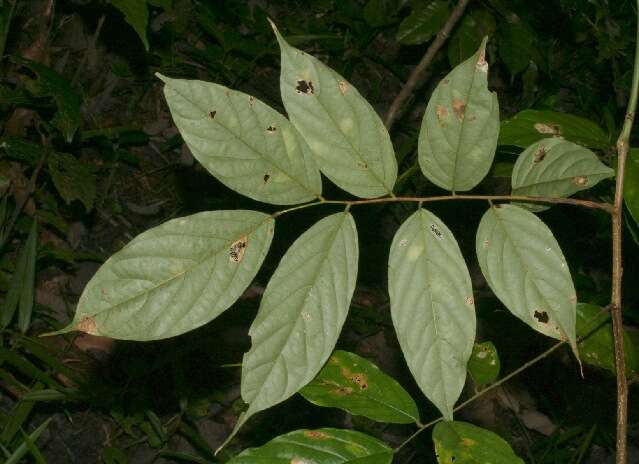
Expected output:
(623, 144)
(398, 104)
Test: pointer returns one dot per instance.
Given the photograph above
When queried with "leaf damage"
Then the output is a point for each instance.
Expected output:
(304, 87)
(459, 107)
(237, 249)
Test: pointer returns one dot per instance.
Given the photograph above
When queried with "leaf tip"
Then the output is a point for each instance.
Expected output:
(162, 77)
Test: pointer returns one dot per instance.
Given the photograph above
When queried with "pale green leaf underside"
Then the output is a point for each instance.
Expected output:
(321, 446)
(175, 277)
(464, 443)
(528, 126)
(301, 314)
(352, 146)
(432, 307)
(556, 168)
(525, 268)
(358, 386)
(459, 131)
(244, 143)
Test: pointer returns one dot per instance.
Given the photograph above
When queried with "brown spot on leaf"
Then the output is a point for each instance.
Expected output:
(87, 325)
(343, 87)
(361, 380)
(435, 231)
(470, 301)
(442, 113)
(541, 316)
(446, 81)
(539, 155)
(316, 435)
(271, 129)
(343, 391)
(459, 107)
(251, 100)
(266, 178)
(212, 114)
(362, 165)
(552, 129)
(482, 65)
(468, 442)
(304, 87)
(237, 249)
(580, 181)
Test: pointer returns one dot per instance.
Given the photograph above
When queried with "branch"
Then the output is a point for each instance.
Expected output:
(417, 74)
(521, 198)
(623, 144)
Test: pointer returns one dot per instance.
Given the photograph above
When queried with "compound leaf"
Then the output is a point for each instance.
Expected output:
(556, 168)
(528, 126)
(525, 268)
(464, 443)
(244, 143)
(432, 307)
(459, 131)
(301, 314)
(354, 384)
(175, 277)
(321, 446)
(352, 145)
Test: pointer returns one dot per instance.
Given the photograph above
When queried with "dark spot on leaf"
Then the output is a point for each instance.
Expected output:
(541, 316)
(435, 230)
(362, 164)
(237, 249)
(540, 154)
(304, 87)
(361, 380)
(271, 129)
(251, 100)
(266, 178)
(212, 114)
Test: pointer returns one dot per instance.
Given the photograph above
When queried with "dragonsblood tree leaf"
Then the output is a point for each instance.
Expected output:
(175, 277)
(529, 126)
(458, 137)
(301, 314)
(352, 146)
(432, 307)
(244, 143)
(464, 443)
(354, 384)
(321, 446)
(556, 168)
(524, 266)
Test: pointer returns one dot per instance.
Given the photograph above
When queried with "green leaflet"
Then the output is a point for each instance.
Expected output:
(352, 145)
(72, 178)
(424, 22)
(464, 443)
(528, 126)
(175, 277)
(432, 307)
(354, 384)
(556, 168)
(484, 364)
(244, 143)
(468, 35)
(321, 446)
(301, 314)
(631, 184)
(594, 329)
(136, 14)
(51, 84)
(525, 268)
(459, 131)
(20, 294)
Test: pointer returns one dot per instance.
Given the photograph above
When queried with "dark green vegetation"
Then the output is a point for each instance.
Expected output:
(89, 151)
